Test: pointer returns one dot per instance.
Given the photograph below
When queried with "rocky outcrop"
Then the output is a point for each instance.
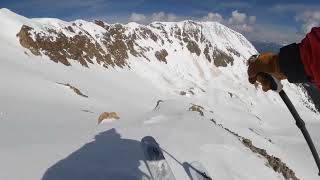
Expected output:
(273, 162)
(61, 49)
(194, 48)
(108, 116)
(161, 55)
(197, 108)
(112, 45)
(221, 58)
(189, 92)
(26, 40)
(74, 89)
(158, 103)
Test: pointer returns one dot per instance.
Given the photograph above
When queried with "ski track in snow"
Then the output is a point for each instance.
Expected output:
(47, 133)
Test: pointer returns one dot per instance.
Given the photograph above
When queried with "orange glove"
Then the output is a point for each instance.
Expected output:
(265, 63)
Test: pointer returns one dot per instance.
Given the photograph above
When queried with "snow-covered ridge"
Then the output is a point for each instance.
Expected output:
(180, 55)
(185, 83)
(213, 40)
(179, 52)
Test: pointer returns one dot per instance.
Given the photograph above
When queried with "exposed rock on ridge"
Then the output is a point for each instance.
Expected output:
(112, 45)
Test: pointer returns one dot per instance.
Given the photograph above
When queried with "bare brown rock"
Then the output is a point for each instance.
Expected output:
(221, 58)
(131, 48)
(74, 89)
(191, 92)
(161, 55)
(107, 116)
(114, 41)
(158, 103)
(233, 51)
(273, 162)
(87, 111)
(113, 48)
(69, 28)
(177, 32)
(147, 33)
(79, 47)
(26, 41)
(99, 23)
(206, 53)
(197, 108)
(193, 47)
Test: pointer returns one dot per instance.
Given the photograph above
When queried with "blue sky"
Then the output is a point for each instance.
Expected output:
(275, 21)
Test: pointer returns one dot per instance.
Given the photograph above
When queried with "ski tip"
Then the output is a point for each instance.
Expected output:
(148, 139)
(196, 163)
(151, 148)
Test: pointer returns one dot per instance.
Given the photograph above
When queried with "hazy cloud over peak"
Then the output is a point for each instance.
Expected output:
(162, 16)
(135, 17)
(252, 19)
(310, 19)
(237, 18)
(213, 17)
(289, 7)
(157, 16)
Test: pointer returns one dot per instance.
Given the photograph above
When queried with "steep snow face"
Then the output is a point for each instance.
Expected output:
(179, 52)
(184, 83)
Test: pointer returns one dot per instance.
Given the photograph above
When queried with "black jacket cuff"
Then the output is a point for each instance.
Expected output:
(291, 64)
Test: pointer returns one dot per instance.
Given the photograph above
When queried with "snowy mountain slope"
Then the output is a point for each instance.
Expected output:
(49, 132)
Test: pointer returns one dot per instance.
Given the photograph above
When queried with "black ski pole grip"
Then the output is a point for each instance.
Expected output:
(301, 125)
(273, 84)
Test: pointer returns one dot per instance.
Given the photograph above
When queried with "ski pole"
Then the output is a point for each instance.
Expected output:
(276, 86)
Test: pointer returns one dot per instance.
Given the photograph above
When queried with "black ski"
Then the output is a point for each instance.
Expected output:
(155, 161)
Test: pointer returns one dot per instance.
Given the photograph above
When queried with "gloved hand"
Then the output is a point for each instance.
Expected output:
(265, 63)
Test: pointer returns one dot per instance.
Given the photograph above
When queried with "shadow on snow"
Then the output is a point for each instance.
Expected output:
(107, 157)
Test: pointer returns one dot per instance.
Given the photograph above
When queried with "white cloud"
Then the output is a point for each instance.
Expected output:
(308, 15)
(252, 20)
(241, 22)
(247, 25)
(137, 17)
(213, 17)
(172, 17)
(237, 21)
(242, 28)
(162, 16)
(274, 33)
(157, 16)
(282, 8)
(309, 19)
(237, 18)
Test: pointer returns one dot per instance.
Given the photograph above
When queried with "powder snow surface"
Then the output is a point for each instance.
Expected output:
(48, 132)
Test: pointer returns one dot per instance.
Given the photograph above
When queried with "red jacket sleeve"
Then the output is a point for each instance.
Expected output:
(310, 55)
(301, 62)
